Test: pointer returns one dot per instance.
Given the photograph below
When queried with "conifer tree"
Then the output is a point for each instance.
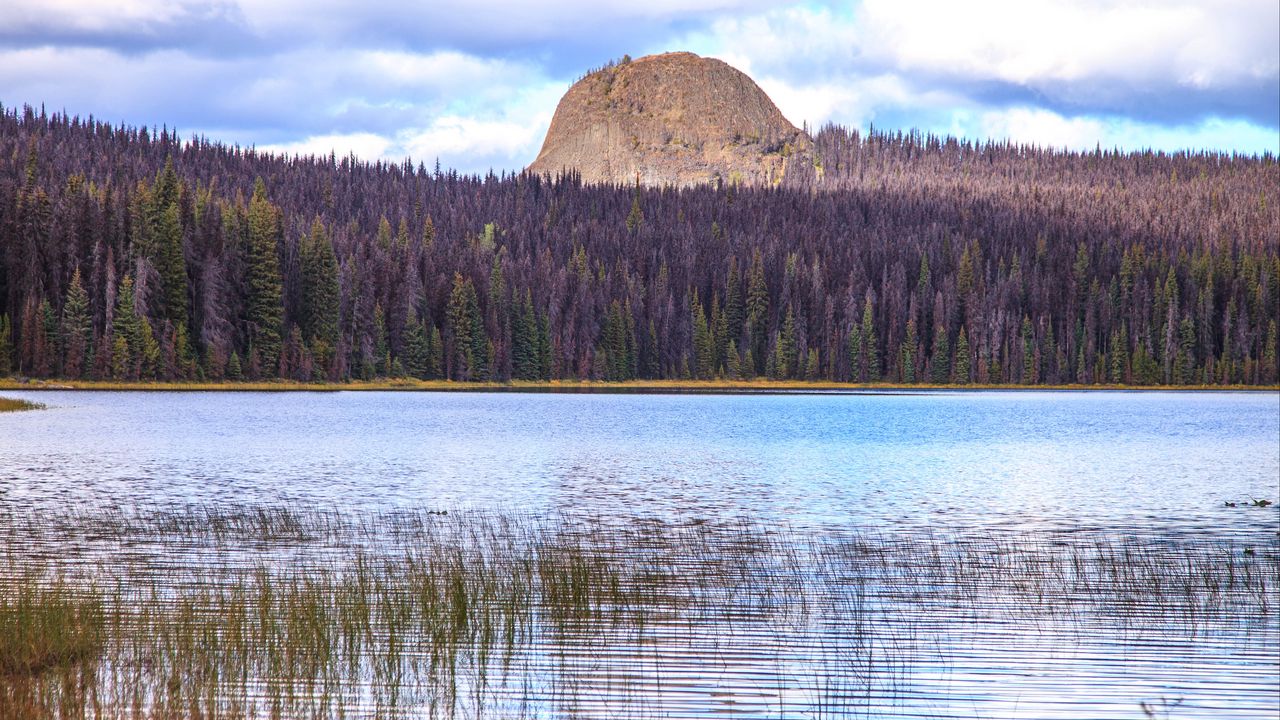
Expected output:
(320, 291)
(735, 312)
(417, 348)
(758, 311)
(940, 362)
(51, 334)
(545, 359)
(264, 311)
(963, 372)
(812, 369)
(381, 348)
(635, 218)
(461, 326)
(855, 353)
(1186, 357)
(704, 366)
(1029, 366)
(435, 356)
(6, 346)
(234, 371)
(159, 239)
(126, 331)
(1117, 354)
(1268, 355)
(788, 352)
(870, 343)
(733, 364)
(76, 328)
(908, 353)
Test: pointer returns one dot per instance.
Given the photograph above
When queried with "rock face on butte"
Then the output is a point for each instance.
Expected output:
(672, 119)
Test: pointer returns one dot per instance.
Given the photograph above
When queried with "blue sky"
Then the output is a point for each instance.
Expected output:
(475, 82)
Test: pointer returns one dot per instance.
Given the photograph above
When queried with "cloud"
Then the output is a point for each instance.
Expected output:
(474, 82)
(1175, 65)
(1045, 128)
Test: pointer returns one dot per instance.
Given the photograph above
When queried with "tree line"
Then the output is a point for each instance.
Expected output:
(127, 253)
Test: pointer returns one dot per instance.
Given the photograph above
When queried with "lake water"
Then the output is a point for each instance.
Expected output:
(1119, 460)
(1156, 469)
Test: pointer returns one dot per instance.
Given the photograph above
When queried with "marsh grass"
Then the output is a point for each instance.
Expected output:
(15, 405)
(286, 612)
(46, 624)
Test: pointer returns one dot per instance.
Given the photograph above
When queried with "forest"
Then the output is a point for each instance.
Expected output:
(127, 253)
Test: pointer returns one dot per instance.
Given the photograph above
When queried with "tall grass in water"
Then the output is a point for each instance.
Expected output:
(293, 613)
(52, 638)
(14, 405)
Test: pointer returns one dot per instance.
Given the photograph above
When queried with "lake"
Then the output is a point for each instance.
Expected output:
(946, 554)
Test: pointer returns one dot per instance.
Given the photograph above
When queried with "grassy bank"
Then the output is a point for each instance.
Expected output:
(306, 613)
(642, 386)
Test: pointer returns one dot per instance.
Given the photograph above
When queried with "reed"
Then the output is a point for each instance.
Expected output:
(287, 612)
(14, 405)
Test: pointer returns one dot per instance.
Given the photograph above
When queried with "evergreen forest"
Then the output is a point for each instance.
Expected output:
(129, 253)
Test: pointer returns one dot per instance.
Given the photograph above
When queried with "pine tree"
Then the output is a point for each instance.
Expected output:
(635, 218)
(908, 353)
(460, 326)
(787, 350)
(1119, 359)
(812, 370)
(940, 362)
(481, 345)
(51, 331)
(735, 312)
(758, 312)
(161, 242)
(524, 341)
(264, 311)
(234, 371)
(321, 294)
(381, 349)
(417, 348)
(703, 344)
(545, 359)
(733, 364)
(1186, 357)
(855, 353)
(6, 346)
(963, 373)
(1029, 365)
(169, 263)
(76, 328)
(870, 343)
(126, 333)
(1271, 371)
(436, 354)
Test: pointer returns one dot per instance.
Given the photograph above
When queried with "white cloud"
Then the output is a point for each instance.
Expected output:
(1032, 41)
(117, 15)
(474, 82)
(1047, 69)
(363, 145)
(1042, 127)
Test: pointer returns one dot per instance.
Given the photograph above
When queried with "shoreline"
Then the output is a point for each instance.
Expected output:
(586, 386)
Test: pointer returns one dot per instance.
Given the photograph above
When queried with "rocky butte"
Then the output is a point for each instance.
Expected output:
(672, 119)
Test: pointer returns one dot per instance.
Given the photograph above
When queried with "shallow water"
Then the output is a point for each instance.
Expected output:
(823, 631)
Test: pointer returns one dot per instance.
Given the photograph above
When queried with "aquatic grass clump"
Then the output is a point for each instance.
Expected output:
(48, 624)
(15, 405)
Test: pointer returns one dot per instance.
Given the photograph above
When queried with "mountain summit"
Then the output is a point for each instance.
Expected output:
(670, 119)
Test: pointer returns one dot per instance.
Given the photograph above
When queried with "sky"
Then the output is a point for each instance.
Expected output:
(474, 83)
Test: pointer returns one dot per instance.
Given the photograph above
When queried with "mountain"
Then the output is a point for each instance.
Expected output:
(671, 119)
